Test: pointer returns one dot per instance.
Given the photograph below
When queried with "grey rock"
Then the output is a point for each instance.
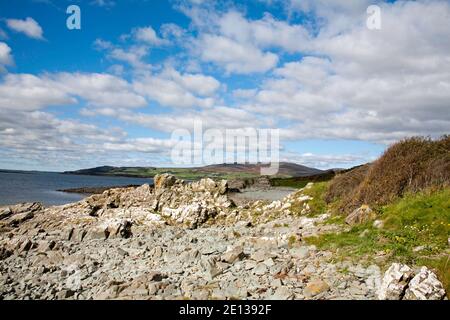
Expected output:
(234, 254)
(425, 286)
(394, 282)
(260, 269)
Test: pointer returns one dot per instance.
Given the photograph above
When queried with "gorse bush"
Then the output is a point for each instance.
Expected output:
(411, 165)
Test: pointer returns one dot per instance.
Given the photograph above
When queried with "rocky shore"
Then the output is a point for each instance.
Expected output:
(180, 240)
(94, 190)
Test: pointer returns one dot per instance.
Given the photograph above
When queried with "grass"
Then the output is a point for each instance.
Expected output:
(416, 220)
(317, 204)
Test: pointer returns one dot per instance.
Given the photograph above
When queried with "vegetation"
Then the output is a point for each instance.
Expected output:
(416, 231)
(317, 205)
(411, 165)
(409, 188)
(301, 182)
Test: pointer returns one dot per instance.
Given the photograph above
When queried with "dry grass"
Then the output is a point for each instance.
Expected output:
(411, 165)
(345, 183)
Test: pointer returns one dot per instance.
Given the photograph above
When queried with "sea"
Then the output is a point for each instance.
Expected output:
(17, 187)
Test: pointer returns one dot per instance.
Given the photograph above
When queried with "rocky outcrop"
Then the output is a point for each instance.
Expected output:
(12, 216)
(425, 286)
(187, 204)
(400, 283)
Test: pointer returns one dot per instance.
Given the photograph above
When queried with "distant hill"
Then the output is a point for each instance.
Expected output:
(219, 170)
(285, 169)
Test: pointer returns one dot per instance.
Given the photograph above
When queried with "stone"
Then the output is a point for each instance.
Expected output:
(269, 262)
(299, 252)
(259, 255)
(394, 282)
(360, 215)
(379, 224)
(156, 276)
(45, 246)
(122, 252)
(5, 253)
(424, 286)
(210, 268)
(260, 269)
(282, 293)
(64, 294)
(419, 248)
(233, 254)
(315, 287)
(156, 252)
(25, 246)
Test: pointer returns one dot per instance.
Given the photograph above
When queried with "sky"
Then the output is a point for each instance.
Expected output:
(114, 91)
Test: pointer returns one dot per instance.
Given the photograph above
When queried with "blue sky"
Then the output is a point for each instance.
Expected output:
(113, 92)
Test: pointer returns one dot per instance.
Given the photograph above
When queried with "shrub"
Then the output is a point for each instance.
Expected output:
(411, 165)
(345, 183)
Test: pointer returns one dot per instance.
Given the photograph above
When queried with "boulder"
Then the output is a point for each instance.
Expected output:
(395, 282)
(233, 254)
(425, 286)
(360, 215)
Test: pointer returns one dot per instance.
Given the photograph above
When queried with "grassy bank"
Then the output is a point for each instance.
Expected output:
(416, 231)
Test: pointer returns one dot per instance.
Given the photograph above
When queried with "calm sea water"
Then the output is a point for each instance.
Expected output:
(43, 186)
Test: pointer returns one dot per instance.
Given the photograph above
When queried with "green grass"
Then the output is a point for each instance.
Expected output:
(317, 204)
(415, 220)
(180, 173)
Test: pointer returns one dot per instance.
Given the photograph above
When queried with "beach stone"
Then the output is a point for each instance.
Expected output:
(315, 287)
(233, 254)
(299, 252)
(210, 268)
(260, 269)
(282, 293)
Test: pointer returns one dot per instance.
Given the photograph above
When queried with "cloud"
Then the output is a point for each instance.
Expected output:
(29, 27)
(242, 46)
(100, 89)
(172, 89)
(3, 34)
(103, 3)
(6, 58)
(29, 92)
(148, 35)
(377, 86)
(235, 57)
(263, 33)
